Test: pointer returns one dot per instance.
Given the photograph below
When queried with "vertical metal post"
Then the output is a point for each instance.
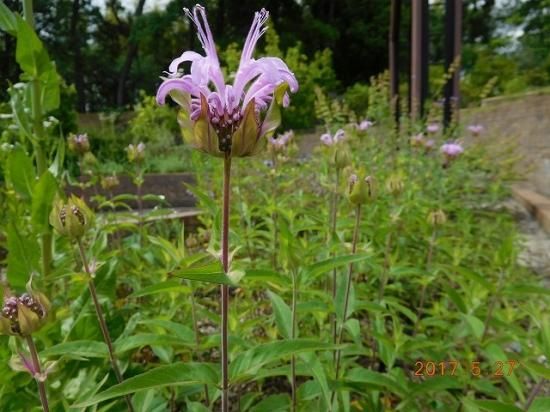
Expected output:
(425, 56)
(395, 20)
(453, 37)
(457, 53)
(416, 59)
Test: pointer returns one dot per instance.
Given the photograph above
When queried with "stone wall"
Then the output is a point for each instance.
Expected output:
(525, 119)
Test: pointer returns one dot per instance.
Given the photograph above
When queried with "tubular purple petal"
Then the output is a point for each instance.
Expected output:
(224, 105)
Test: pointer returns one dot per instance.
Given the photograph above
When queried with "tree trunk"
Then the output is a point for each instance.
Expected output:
(78, 60)
(130, 56)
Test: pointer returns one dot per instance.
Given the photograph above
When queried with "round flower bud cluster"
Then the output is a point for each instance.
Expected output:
(109, 182)
(23, 315)
(395, 185)
(476, 129)
(72, 218)
(433, 128)
(136, 153)
(341, 157)
(78, 144)
(437, 218)
(361, 190)
(281, 141)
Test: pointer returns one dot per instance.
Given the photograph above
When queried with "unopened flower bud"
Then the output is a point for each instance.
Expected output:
(89, 161)
(23, 315)
(78, 143)
(395, 185)
(109, 182)
(136, 153)
(362, 190)
(341, 157)
(437, 218)
(72, 218)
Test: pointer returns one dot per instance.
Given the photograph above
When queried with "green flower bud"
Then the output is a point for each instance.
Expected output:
(109, 182)
(89, 160)
(71, 219)
(341, 157)
(136, 153)
(437, 218)
(395, 185)
(362, 191)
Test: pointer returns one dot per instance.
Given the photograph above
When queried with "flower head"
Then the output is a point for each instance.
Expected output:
(109, 182)
(437, 217)
(329, 140)
(78, 143)
(417, 140)
(476, 129)
(452, 150)
(72, 218)
(228, 119)
(433, 128)
(23, 315)
(429, 144)
(281, 141)
(136, 153)
(364, 125)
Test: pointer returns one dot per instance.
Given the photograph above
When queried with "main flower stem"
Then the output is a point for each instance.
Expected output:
(333, 218)
(293, 336)
(387, 258)
(534, 392)
(346, 298)
(225, 288)
(102, 323)
(197, 336)
(37, 370)
(429, 259)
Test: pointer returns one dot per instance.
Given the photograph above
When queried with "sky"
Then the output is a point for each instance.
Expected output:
(131, 4)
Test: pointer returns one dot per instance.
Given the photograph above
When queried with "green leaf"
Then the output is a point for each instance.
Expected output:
(340, 300)
(178, 374)
(21, 172)
(78, 348)
(495, 354)
(23, 256)
(475, 277)
(476, 325)
(327, 265)
(172, 285)
(273, 403)
(496, 406)
(8, 21)
(437, 384)
(515, 290)
(211, 273)
(318, 372)
(538, 369)
(247, 364)
(266, 275)
(374, 379)
(42, 201)
(50, 91)
(283, 315)
(144, 339)
(540, 405)
(56, 168)
(30, 54)
(457, 300)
